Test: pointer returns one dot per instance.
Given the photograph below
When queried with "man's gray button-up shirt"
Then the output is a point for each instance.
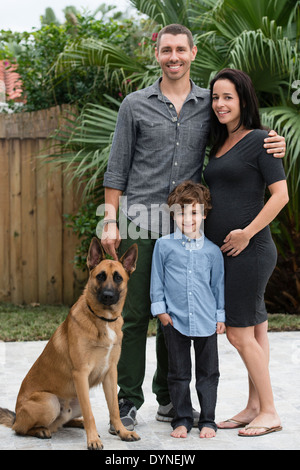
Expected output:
(153, 150)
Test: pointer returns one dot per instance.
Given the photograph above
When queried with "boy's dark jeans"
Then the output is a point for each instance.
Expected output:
(180, 374)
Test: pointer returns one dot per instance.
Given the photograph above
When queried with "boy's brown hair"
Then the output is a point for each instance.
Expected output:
(189, 192)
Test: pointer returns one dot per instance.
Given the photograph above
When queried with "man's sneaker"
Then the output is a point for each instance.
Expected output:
(167, 413)
(127, 414)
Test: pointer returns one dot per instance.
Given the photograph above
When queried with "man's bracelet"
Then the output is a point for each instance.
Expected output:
(109, 221)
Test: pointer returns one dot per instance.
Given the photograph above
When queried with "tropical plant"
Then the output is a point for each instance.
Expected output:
(262, 37)
(36, 53)
(83, 144)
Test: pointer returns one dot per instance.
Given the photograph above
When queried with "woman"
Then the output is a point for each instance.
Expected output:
(237, 173)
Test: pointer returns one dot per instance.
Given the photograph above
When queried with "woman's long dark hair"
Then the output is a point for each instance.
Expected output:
(248, 106)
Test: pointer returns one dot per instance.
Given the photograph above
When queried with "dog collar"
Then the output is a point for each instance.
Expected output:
(102, 318)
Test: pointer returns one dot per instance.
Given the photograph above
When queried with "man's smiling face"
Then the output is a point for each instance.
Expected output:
(175, 55)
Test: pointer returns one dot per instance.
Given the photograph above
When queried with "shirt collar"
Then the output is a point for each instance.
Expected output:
(195, 93)
(189, 243)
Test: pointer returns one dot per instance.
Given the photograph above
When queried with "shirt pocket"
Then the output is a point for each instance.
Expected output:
(153, 135)
(197, 136)
(202, 269)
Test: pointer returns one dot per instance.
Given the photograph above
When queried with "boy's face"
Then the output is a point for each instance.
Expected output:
(189, 219)
(175, 55)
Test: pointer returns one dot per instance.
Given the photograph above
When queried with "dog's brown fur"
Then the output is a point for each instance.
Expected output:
(83, 352)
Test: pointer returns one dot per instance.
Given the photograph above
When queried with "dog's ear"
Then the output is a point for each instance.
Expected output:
(129, 259)
(95, 255)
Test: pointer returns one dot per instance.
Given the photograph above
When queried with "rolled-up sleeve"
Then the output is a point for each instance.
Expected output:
(217, 285)
(122, 149)
(158, 302)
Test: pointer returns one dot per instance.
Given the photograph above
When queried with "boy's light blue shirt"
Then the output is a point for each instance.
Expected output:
(187, 282)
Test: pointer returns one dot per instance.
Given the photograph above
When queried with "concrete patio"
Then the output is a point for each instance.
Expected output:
(16, 359)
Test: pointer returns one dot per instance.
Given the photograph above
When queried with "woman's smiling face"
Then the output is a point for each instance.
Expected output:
(226, 103)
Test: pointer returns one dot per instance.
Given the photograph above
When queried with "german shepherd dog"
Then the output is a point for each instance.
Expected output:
(83, 352)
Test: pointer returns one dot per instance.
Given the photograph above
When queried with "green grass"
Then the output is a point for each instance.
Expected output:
(28, 323)
(35, 323)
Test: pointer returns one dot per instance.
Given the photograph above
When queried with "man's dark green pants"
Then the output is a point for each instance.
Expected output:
(136, 314)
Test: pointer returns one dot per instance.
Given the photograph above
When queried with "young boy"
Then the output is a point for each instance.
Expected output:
(187, 295)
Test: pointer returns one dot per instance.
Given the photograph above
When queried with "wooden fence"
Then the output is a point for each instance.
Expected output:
(36, 248)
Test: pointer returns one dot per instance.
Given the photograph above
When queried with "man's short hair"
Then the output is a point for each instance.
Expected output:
(175, 29)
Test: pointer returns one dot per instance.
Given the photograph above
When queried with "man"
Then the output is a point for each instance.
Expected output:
(160, 140)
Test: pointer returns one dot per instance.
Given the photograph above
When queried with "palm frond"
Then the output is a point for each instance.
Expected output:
(166, 12)
(211, 57)
(286, 121)
(230, 18)
(97, 53)
(85, 144)
(253, 48)
(269, 61)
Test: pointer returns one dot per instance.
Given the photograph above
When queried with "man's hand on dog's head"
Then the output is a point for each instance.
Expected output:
(111, 240)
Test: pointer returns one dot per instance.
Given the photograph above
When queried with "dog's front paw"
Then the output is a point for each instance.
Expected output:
(130, 436)
(95, 444)
(41, 433)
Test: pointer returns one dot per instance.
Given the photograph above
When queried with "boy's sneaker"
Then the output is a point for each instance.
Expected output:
(167, 413)
(127, 414)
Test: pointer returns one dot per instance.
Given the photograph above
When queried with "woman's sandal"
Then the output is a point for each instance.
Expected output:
(239, 424)
(267, 430)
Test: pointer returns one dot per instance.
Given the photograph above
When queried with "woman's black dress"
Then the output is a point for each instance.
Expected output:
(237, 181)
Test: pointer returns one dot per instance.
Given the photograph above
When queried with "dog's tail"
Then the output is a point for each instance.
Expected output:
(7, 417)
